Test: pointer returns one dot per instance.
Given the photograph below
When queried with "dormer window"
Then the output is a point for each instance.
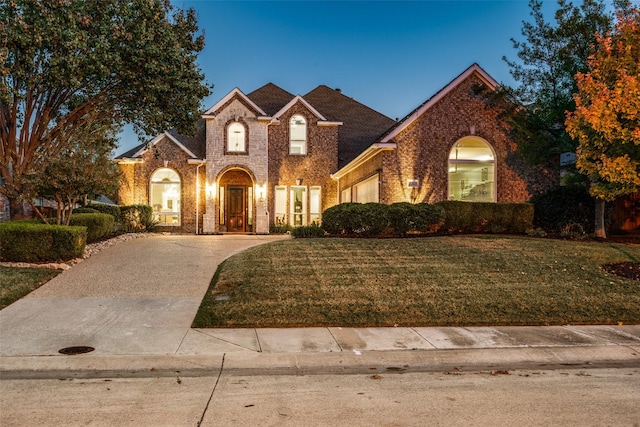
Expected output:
(236, 138)
(297, 135)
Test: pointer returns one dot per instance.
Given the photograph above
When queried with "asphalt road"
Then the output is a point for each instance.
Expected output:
(568, 397)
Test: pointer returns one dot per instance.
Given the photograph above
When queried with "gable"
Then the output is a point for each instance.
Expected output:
(235, 95)
(193, 146)
(473, 71)
(270, 98)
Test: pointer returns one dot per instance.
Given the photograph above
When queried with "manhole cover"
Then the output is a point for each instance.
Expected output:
(76, 350)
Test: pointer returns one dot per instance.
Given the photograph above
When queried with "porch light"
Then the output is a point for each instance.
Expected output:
(211, 190)
(298, 181)
(261, 190)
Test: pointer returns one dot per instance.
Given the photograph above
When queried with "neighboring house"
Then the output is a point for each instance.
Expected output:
(270, 157)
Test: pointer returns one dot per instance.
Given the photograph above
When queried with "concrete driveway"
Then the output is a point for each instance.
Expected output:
(137, 297)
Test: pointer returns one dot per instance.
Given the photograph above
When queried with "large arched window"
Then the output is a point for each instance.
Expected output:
(472, 171)
(297, 135)
(164, 197)
(236, 138)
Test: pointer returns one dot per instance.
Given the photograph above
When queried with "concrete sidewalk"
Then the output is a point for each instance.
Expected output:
(134, 303)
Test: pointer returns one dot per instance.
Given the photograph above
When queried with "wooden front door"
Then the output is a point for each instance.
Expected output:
(236, 209)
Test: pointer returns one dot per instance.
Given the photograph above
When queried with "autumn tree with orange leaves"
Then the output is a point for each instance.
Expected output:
(606, 122)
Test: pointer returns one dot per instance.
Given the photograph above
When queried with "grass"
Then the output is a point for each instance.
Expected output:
(18, 282)
(436, 281)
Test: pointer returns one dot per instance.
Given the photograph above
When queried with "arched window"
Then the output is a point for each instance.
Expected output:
(236, 138)
(297, 135)
(472, 171)
(164, 196)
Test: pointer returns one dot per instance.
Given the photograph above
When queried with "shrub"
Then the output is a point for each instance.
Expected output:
(335, 220)
(99, 225)
(562, 206)
(28, 242)
(137, 218)
(280, 228)
(85, 210)
(368, 219)
(476, 217)
(307, 231)
(405, 217)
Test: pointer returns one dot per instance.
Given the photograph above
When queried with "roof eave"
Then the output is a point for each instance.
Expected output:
(363, 157)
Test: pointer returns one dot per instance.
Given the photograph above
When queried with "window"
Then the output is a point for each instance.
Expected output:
(366, 191)
(315, 203)
(281, 205)
(472, 171)
(164, 196)
(236, 138)
(297, 135)
(298, 205)
(346, 196)
(222, 203)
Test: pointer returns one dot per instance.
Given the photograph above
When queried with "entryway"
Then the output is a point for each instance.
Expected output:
(236, 202)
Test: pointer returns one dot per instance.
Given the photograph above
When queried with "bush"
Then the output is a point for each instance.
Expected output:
(107, 209)
(280, 228)
(99, 225)
(28, 242)
(335, 220)
(405, 217)
(476, 217)
(307, 231)
(85, 210)
(562, 206)
(137, 218)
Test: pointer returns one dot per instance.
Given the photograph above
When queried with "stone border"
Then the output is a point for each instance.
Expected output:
(90, 249)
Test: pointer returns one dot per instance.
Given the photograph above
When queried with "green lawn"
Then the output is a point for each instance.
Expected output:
(459, 280)
(18, 282)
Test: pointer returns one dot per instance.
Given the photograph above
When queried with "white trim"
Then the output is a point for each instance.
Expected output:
(209, 114)
(327, 123)
(475, 68)
(196, 161)
(305, 103)
(363, 157)
(158, 139)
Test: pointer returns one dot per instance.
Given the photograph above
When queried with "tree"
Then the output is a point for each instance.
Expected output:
(606, 121)
(83, 167)
(130, 61)
(548, 59)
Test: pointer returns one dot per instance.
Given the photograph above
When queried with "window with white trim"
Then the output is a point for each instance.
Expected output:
(281, 205)
(315, 203)
(298, 205)
(297, 135)
(472, 171)
(366, 191)
(164, 196)
(236, 138)
(346, 196)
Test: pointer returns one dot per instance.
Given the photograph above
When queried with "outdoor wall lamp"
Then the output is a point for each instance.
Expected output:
(211, 190)
(261, 191)
(298, 181)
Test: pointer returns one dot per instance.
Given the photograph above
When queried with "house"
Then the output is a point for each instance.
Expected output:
(269, 157)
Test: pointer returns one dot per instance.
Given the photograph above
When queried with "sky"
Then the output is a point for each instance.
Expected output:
(388, 55)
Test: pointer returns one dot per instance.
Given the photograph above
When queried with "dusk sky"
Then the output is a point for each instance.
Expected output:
(391, 56)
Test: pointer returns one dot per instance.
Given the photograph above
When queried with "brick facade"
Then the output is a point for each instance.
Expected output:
(238, 187)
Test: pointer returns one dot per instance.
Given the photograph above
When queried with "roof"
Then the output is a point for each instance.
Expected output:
(194, 146)
(270, 98)
(361, 125)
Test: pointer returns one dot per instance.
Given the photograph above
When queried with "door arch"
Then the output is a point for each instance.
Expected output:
(236, 201)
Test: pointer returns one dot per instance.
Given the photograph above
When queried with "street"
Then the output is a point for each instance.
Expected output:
(572, 396)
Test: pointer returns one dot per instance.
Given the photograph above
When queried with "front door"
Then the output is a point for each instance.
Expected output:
(236, 209)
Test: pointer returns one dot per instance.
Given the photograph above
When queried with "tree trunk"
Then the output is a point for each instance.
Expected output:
(16, 209)
(599, 226)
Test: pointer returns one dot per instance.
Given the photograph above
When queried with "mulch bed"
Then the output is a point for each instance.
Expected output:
(629, 270)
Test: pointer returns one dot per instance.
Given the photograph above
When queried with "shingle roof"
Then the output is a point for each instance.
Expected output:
(361, 125)
(270, 98)
(197, 143)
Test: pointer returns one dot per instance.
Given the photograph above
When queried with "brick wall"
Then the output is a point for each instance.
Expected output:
(165, 153)
(314, 168)
(423, 149)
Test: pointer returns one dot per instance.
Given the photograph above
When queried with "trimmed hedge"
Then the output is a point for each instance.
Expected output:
(372, 219)
(99, 225)
(478, 217)
(29, 242)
